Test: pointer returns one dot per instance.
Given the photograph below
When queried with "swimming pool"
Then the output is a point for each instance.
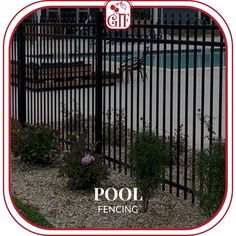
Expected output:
(177, 59)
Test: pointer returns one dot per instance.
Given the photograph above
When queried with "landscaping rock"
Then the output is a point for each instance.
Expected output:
(64, 208)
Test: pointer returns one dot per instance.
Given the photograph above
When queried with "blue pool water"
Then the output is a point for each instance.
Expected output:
(178, 60)
(182, 59)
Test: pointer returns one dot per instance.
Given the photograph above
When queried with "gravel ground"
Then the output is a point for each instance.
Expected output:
(40, 187)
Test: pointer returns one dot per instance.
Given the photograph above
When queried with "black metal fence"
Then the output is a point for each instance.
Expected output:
(110, 85)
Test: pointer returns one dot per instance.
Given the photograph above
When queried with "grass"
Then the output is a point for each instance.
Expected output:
(31, 214)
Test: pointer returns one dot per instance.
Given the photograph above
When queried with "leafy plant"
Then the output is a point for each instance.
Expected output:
(208, 123)
(210, 169)
(74, 117)
(177, 143)
(83, 167)
(148, 156)
(16, 136)
(116, 131)
(38, 145)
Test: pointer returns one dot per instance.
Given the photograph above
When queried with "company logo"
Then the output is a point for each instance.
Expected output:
(118, 14)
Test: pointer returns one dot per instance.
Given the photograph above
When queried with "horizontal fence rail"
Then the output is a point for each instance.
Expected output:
(111, 85)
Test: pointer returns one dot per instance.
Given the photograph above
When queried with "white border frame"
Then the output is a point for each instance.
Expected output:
(140, 4)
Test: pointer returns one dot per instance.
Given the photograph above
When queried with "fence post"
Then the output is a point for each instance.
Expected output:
(98, 78)
(21, 76)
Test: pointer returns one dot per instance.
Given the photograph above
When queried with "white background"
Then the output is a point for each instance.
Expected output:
(8, 226)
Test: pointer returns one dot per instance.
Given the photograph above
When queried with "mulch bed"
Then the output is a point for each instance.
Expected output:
(40, 187)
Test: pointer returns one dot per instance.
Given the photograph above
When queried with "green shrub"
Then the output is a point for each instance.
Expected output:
(148, 156)
(75, 118)
(16, 136)
(115, 132)
(83, 167)
(210, 169)
(177, 145)
(37, 145)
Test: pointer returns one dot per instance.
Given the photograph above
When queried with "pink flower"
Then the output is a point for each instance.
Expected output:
(87, 159)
